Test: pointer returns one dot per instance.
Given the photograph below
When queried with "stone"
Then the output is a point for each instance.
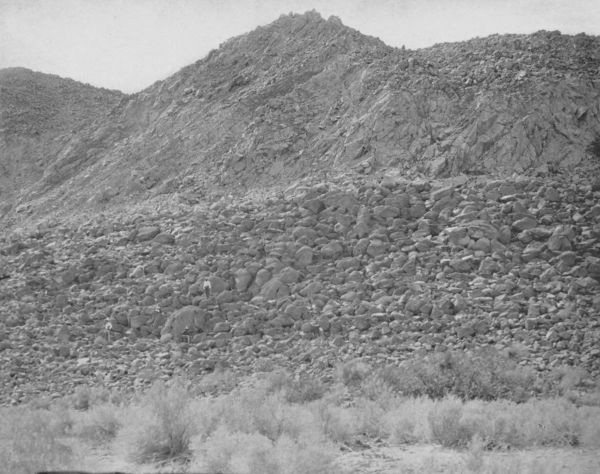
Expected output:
(162, 238)
(303, 256)
(274, 289)
(243, 279)
(147, 233)
(186, 318)
(332, 249)
(289, 275)
(524, 224)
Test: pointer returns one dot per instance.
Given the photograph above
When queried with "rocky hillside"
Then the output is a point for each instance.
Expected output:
(376, 267)
(345, 199)
(305, 96)
(43, 121)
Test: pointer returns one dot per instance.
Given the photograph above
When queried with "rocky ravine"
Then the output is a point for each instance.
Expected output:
(301, 97)
(361, 266)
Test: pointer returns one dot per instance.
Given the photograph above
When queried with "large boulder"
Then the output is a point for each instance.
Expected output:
(186, 318)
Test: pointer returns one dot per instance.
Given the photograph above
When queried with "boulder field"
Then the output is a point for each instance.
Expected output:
(373, 266)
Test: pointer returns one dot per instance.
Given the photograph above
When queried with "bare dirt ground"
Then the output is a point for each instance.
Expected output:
(409, 459)
(435, 459)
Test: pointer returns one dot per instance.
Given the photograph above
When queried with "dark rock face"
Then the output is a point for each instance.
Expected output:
(301, 96)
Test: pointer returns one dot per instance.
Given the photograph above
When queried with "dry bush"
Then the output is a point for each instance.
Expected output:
(446, 426)
(252, 453)
(217, 382)
(30, 441)
(370, 416)
(100, 423)
(407, 423)
(483, 374)
(159, 427)
(301, 389)
(339, 424)
(85, 397)
(225, 452)
(256, 410)
(354, 372)
(498, 424)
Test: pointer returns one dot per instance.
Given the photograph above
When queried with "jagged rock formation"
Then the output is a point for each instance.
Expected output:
(307, 96)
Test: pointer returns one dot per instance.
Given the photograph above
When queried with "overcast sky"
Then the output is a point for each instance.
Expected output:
(129, 44)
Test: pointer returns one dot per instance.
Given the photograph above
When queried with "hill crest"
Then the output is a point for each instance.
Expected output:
(306, 97)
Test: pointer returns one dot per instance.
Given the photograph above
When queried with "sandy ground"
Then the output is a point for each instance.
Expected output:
(409, 459)
(435, 459)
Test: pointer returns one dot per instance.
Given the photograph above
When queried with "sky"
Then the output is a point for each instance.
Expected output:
(130, 44)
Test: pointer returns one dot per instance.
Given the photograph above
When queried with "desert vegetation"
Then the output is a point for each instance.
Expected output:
(477, 405)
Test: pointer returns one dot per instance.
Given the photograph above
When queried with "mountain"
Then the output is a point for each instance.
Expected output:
(301, 97)
(345, 199)
(43, 119)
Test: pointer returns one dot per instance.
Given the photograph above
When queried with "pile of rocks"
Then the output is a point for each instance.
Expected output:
(361, 266)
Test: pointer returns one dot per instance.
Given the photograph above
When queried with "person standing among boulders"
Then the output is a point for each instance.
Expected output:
(207, 288)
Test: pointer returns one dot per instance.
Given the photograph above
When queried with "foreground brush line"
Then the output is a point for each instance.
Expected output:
(276, 423)
(78, 472)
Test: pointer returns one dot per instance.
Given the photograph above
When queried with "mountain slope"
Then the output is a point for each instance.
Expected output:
(42, 119)
(305, 96)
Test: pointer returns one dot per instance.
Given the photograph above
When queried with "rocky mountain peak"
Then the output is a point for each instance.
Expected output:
(307, 98)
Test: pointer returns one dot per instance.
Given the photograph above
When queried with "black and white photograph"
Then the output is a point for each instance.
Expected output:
(300, 236)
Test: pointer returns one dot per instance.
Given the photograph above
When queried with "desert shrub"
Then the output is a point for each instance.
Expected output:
(370, 415)
(302, 389)
(85, 397)
(504, 424)
(375, 388)
(354, 372)
(277, 380)
(339, 424)
(252, 453)
(563, 378)
(407, 423)
(225, 452)
(159, 427)
(219, 381)
(29, 442)
(485, 374)
(447, 426)
(100, 423)
(61, 418)
(553, 422)
(255, 410)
